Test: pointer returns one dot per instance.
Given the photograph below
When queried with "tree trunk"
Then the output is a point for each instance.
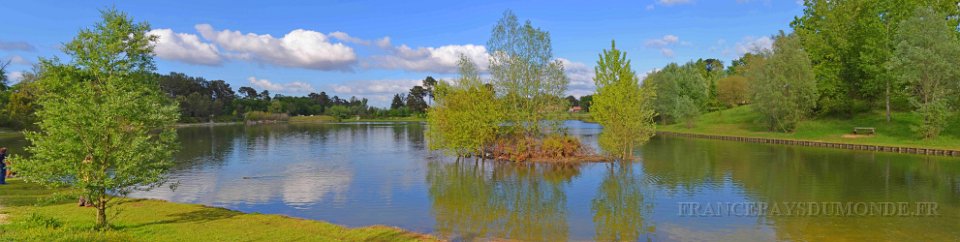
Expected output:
(888, 102)
(101, 212)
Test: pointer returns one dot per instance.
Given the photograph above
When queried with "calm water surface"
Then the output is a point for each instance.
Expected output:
(362, 174)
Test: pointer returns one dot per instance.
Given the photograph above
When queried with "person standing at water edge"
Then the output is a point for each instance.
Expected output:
(3, 165)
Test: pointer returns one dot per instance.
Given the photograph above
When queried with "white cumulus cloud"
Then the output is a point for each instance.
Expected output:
(291, 87)
(14, 76)
(298, 48)
(580, 76)
(185, 47)
(664, 44)
(750, 44)
(443, 59)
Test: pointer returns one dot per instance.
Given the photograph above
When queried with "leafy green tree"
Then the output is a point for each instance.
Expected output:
(926, 57)
(415, 99)
(685, 109)
(572, 101)
(733, 91)
(737, 66)
(397, 102)
(711, 70)
(339, 111)
(464, 118)
(22, 101)
(620, 105)
(105, 128)
(248, 92)
(276, 106)
(848, 43)
(784, 88)
(265, 95)
(429, 84)
(586, 102)
(526, 77)
(4, 83)
(682, 93)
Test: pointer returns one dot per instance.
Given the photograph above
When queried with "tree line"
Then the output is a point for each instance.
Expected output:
(844, 58)
(202, 100)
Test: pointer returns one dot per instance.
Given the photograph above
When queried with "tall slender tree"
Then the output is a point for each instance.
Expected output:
(620, 105)
(526, 77)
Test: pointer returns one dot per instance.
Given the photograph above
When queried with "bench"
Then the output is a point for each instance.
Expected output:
(864, 130)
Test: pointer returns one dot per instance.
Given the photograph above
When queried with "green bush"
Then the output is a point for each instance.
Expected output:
(37, 221)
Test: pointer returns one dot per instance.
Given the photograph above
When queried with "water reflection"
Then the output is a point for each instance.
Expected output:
(380, 173)
(619, 206)
(773, 174)
(486, 199)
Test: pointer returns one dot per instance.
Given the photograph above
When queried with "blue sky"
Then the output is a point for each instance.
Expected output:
(374, 49)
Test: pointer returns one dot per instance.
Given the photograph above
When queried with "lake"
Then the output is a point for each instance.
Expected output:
(360, 174)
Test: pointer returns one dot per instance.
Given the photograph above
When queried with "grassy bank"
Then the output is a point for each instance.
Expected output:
(56, 217)
(388, 119)
(312, 119)
(741, 121)
(331, 119)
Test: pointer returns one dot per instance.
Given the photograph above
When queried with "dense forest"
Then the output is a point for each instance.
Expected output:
(202, 100)
(843, 59)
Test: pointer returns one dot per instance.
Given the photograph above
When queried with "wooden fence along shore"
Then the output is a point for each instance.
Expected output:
(881, 148)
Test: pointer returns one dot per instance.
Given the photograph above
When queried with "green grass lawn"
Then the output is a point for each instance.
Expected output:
(741, 121)
(29, 212)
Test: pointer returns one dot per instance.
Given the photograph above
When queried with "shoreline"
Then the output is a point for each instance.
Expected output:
(822, 144)
(26, 203)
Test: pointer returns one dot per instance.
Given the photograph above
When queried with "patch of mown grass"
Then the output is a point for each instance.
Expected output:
(741, 121)
(155, 220)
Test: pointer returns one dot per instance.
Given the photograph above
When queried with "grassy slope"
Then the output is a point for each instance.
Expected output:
(740, 121)
(155, 220)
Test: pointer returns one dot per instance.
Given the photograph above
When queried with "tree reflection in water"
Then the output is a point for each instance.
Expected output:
(490, 199)
(619, 206)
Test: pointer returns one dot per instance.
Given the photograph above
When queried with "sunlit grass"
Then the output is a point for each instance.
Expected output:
(313, 119)
(741, 121)
(60, 219)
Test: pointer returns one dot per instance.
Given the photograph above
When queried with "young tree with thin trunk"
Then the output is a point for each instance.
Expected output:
(621, 106)
(926, 57)
(105, 127)
(529, 81)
